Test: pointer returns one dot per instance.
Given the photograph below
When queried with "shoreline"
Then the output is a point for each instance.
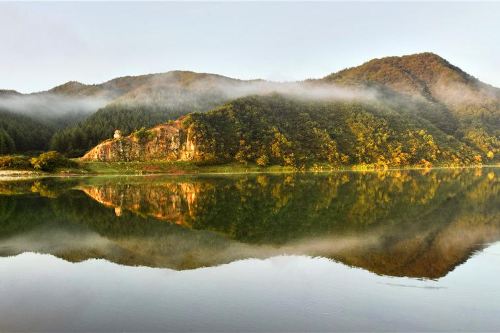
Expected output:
(103, 169)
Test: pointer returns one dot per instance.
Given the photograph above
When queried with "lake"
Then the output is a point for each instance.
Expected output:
(412, 250)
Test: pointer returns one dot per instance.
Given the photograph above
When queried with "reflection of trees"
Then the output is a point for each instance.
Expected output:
(7, 208)
(416, 223)
(278, 208)
(432, 244)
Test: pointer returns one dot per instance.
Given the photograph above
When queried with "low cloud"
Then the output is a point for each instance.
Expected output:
(304, 90)
(175, 89)
(48, 105)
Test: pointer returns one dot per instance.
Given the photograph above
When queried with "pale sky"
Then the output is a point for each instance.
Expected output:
(45, 44)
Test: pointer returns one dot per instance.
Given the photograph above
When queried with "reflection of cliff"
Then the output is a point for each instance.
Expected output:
(396, 223)
(173, 202)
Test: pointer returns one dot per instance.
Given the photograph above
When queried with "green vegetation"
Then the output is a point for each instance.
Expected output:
(470, 107)
(20, 133)
(390, 222)
(276, 130)
(15, 162)
(425, 112)
(177, 167)
(7, 145)
(49, 162)
(143, 134)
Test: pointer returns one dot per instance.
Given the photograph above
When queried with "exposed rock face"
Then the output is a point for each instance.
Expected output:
(170, 142)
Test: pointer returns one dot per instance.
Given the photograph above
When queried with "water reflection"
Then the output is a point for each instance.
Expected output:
(399, 223)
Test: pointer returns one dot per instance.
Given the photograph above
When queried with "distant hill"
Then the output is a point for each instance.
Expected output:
(5, 93)
(425, 74)
(469, 103)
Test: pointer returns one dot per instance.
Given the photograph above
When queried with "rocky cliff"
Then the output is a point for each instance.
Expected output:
(171, 142)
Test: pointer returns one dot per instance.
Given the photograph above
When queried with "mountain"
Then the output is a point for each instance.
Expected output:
(416, 110)
(412, 73)
(6, 93)
(462, 113)
(81, 115)
(149, 100)
(424, 89)
(425, 74)
(471, 105)
(275, 129)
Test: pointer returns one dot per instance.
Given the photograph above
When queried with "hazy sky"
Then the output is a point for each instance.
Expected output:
(46, 44)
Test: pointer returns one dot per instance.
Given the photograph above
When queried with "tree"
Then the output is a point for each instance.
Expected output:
(7, 145)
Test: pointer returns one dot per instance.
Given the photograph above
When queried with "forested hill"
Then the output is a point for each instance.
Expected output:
(286, 131)
(149, 100)
(78, 116)
(283, 130)
(425, 74)
(469, 105)
(20, 133)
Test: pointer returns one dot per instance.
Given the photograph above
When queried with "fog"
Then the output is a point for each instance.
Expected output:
(182, 90)
(458, 93)
(187, 90)
(303, 90)
(48, 105)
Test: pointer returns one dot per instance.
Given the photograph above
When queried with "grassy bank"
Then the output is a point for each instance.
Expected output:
(163, 167)
(23, 168)
(153, 167)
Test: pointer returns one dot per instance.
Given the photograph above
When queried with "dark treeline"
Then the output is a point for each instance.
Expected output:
(75, 140)
(20, 133)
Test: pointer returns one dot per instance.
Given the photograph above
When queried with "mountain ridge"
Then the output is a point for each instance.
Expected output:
(425, 58)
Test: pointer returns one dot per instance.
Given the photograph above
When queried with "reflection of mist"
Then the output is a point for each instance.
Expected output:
(280, 294)
(321, 247)
(55, 241)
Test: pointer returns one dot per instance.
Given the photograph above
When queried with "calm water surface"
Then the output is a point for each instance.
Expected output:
(398, 250)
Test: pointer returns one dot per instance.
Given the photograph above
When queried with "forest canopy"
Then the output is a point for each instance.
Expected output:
(279, 130)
